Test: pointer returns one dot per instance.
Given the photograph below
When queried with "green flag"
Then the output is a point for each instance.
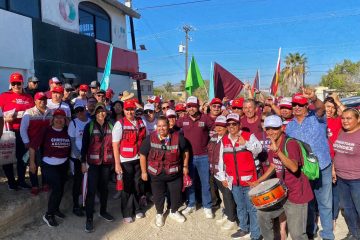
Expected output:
(194, 79)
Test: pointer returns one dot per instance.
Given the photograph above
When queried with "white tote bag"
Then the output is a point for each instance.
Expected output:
(7, 146)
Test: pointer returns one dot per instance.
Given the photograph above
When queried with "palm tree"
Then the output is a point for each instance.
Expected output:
(293, 73)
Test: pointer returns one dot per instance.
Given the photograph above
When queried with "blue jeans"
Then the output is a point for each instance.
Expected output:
(336, 200)
(322, 188)
(245, 209)
(349, 191)
(201, 165)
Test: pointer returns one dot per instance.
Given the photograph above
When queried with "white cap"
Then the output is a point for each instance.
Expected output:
(192, 100)
(78, 104)
(273, 121)
(220, 121)
(149, 106)
(233, 116)
(55, 80)
(285, 102)
(170, 113)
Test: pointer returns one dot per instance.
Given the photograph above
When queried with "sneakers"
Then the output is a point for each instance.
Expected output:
(261, 238)
(228, 225)
(106, 216)
(89, 225)
(208, 213)
(59, 214)
(35, 191)
(128, 220)
(222, 220)
(24, 185)
(177, 217)
(188, 210)
(45, 188)
(139, 215)
(159, 220)
(78, 211)
(117, 195)
(12, 187)
(239, 234)
(50, 220)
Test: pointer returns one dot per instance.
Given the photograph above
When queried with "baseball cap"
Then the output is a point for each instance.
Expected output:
(78, 104)
(16, 77)
(83, 87)
(59, 112)
(58, 89)
(54, 80)
(94, 84)
(129, 104)
(238, 103)
(299, 98)
(170, 113)
(40, 96)
(273, 121)
(220, 121)
(109, 93)
(192, 101)
(233, 116)
(180, 107)
(285, 103)
(68, 86)
(154, 99)
(33, 79)
(216, 101)
(100, 105)
(149, 106)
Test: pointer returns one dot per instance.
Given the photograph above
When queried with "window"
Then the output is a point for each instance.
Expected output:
(149, 88)
(94, 21)
(29, 8)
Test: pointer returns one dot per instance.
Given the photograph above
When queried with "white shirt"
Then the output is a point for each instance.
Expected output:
(150, 126)
(117, 136)
(253, 145)
(82, 101)
(64, 106)
(77, 133)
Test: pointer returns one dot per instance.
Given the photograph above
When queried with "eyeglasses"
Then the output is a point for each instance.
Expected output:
(100, 95)
(232, 124)
(216, 106)
(167, 107)
(148, 111)
(297, 104)
(272, 128)
(35, 82)
(79, 109)
(236, 108)
(16, 84)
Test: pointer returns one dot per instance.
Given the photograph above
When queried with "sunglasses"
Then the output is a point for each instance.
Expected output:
(58, 84)
(297, 104)
(236, 108)
(262, 120)
(216, 106)
(35, 82)
(79, 109)
(100, 95)
(68, 90)
(167, 107)
(16, 84)
(232, 124)
(272, 128)
(148, 111)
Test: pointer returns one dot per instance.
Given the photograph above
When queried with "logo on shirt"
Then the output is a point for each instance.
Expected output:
(201, 124)
(186, 123)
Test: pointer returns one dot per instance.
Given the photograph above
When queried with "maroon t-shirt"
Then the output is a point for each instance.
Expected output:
(54, 143)
(254, 127)
(299, 189)
(196, 132)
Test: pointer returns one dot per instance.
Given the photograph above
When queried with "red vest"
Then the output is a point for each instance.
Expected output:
(213, 152)
(239, 162)
(164, 156)
(37, 122)
(100, 149)
(132, 137)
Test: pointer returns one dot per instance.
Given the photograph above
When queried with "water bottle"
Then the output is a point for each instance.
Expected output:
(119, 182)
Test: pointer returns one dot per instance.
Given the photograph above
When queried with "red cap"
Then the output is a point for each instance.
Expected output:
(59, 112)
(238, 103)
(129, 104)
(58, 89)
(299, 98)
(84, 87)
(16, 77)
(109, 93)
(154, 99)
(40, 96)
(216, 101)
(180, 107)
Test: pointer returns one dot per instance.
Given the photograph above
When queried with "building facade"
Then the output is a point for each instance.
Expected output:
(147, 89)
(68, 39)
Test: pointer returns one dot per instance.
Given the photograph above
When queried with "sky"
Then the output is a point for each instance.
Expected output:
(245, 35)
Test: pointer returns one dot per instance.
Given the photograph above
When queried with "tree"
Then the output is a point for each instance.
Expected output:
(344, 77)
(169, 87)
(291, 78)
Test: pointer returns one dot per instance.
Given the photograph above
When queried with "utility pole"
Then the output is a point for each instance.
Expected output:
(187, 29)
(304, 73)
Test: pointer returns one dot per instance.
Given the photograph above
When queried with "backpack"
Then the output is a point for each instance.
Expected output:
(310, 166)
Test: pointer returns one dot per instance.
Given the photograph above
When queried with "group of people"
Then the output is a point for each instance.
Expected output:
(225, 146)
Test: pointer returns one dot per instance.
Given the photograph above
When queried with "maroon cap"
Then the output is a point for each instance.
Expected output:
(40, 96)
(299, 98)
(180, 107)
(84, 87)
(58, 89)
(59, 112)
(16, 77)
(129, 104)
(216, 101)
(238, 103)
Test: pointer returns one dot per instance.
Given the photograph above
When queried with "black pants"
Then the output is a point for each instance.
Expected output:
(55, 176)
(132, 185)
(21, 167)
(98, 180)
(77, 180)
(34, 176)
(214, 190)
(160, 185)
(229, 203)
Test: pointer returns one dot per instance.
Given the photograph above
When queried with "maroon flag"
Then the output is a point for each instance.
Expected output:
(275, 80)
(225, 83)
(255, 86)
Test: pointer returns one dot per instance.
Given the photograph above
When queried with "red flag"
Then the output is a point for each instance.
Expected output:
(255, 86)
(225, 83)
(275, 80)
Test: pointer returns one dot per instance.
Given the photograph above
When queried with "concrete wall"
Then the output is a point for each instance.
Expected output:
(51, 14)
(16, 43)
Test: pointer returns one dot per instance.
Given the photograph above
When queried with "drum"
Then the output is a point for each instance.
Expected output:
(268, 193)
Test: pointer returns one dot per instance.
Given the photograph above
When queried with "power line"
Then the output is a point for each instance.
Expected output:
(173, 4)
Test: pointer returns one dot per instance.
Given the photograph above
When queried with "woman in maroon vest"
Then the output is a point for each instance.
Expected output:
(55, 144)
(97, 153)
(160, 156)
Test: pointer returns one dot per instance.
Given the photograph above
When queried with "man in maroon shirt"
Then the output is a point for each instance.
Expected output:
(196, 127)
(288, 169)
(252, 120)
